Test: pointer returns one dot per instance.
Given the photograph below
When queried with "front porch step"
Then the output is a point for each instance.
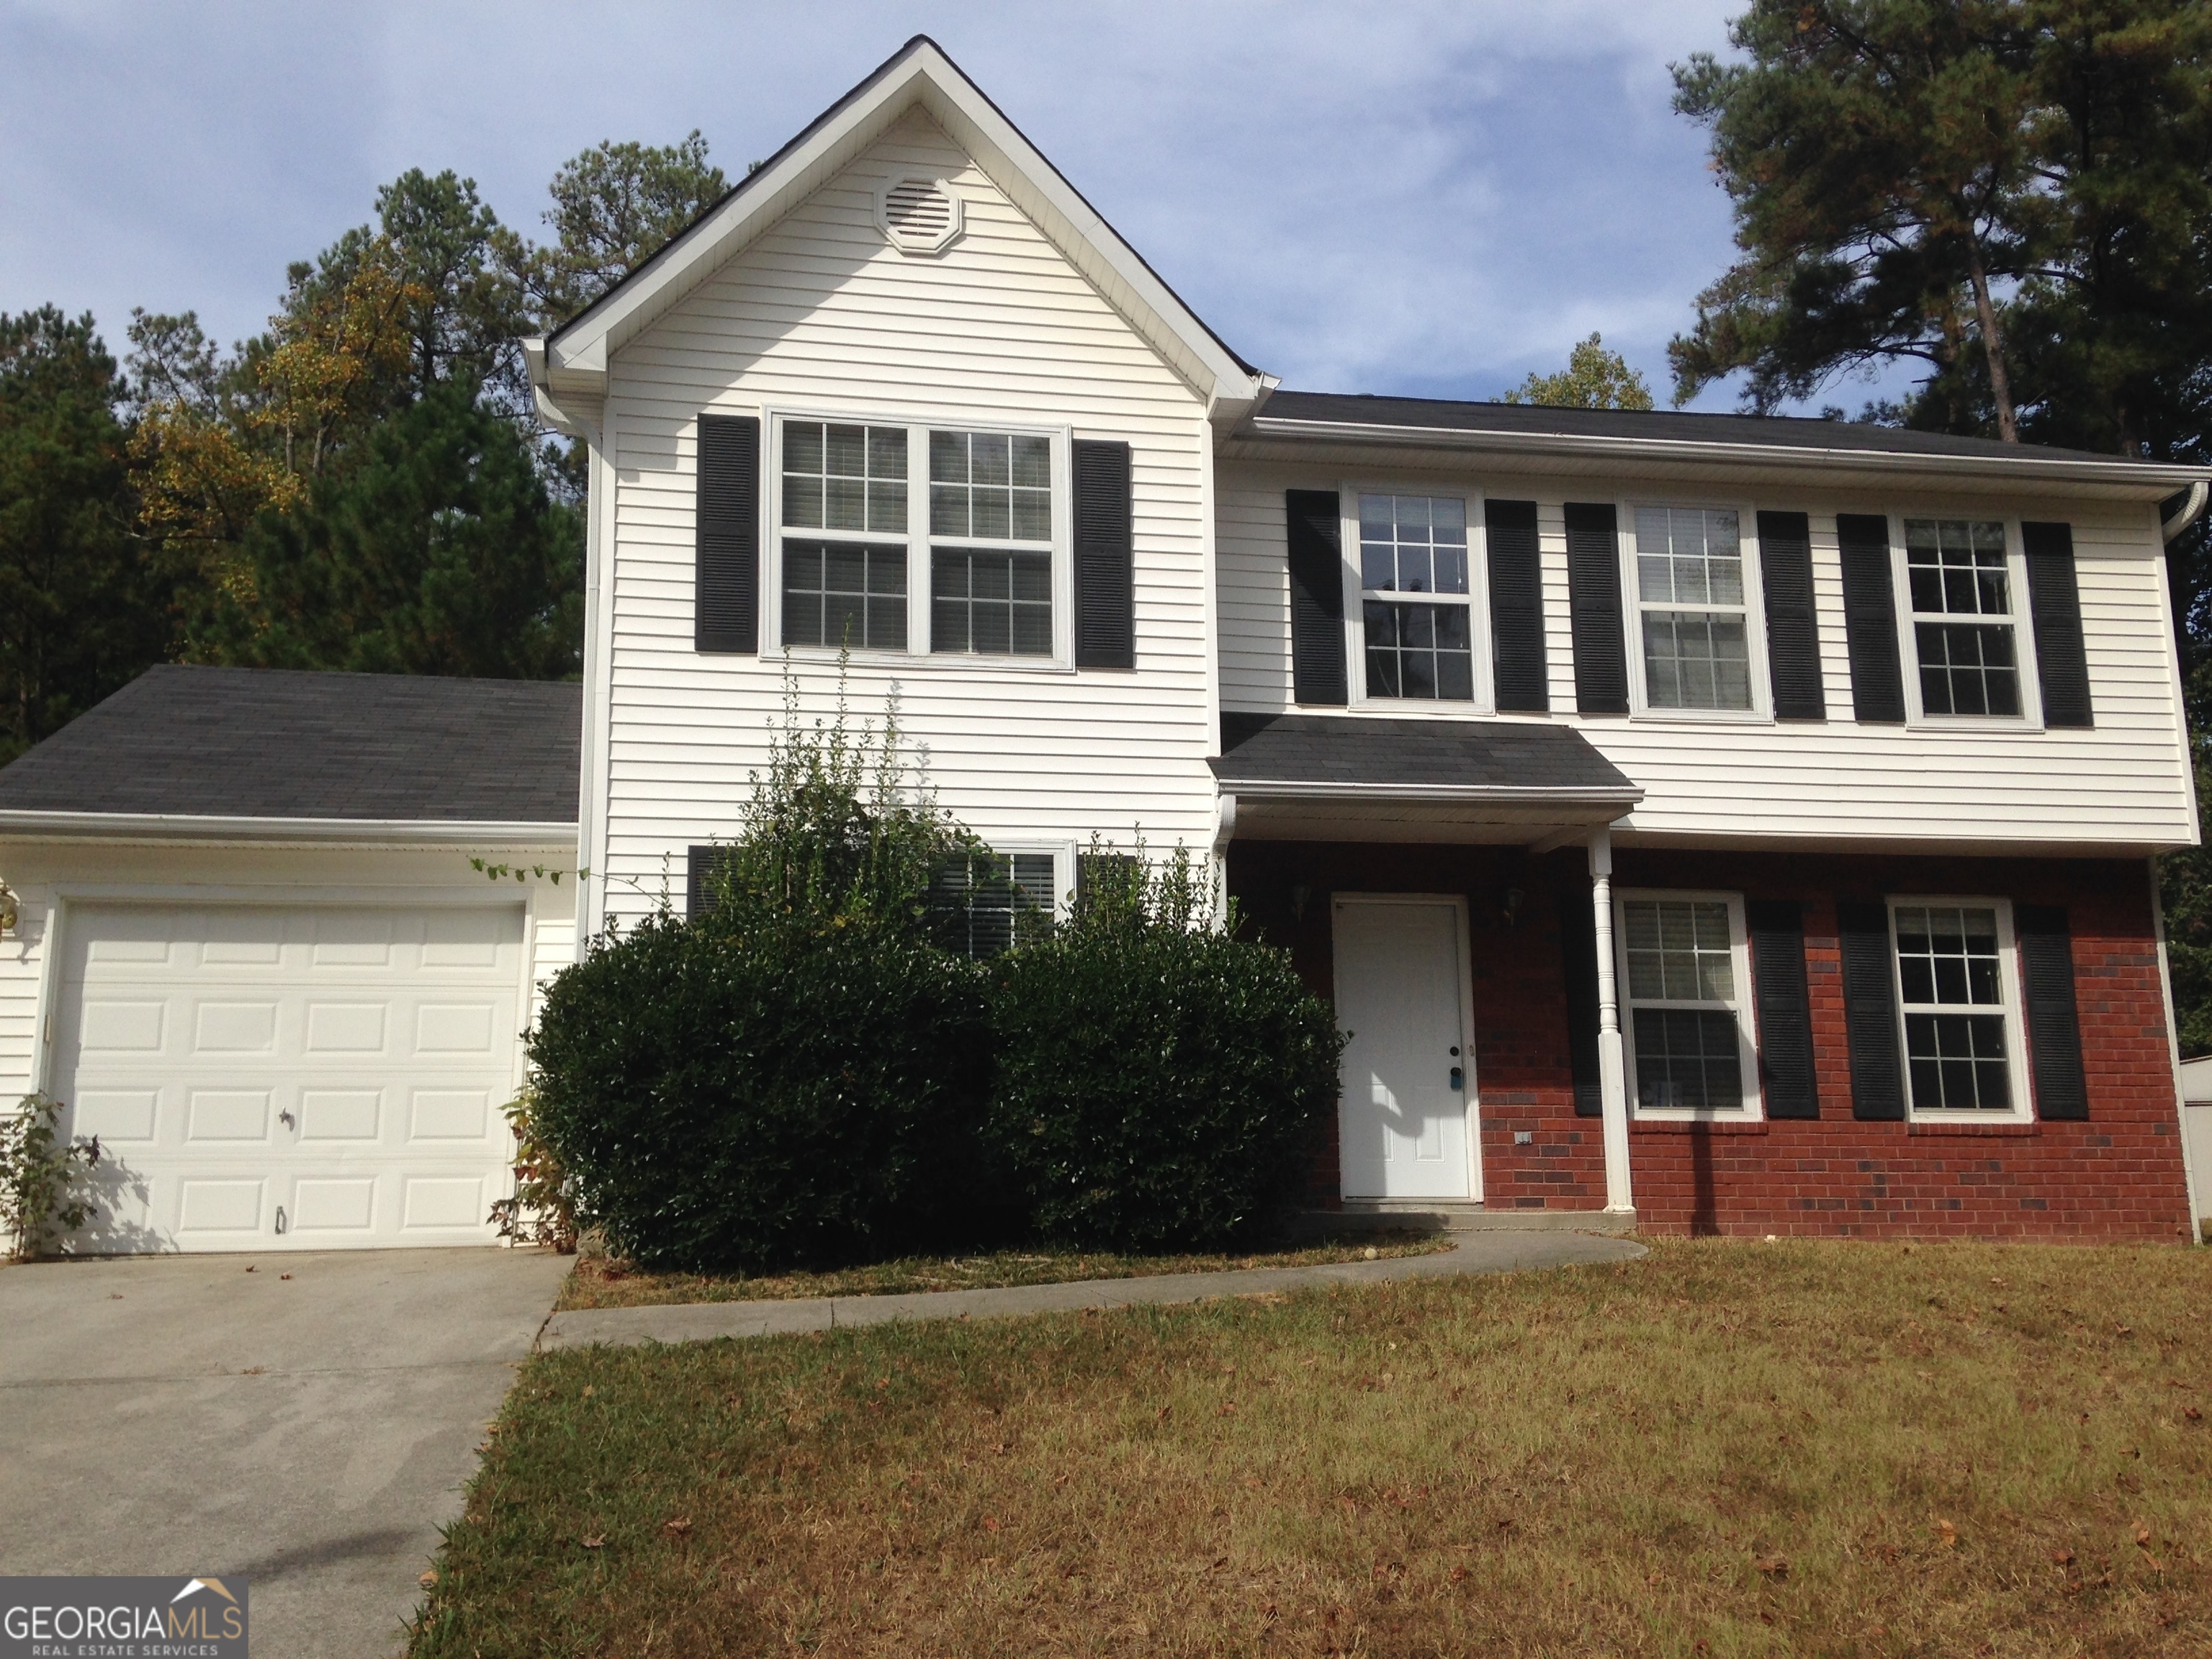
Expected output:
(1441, 1216)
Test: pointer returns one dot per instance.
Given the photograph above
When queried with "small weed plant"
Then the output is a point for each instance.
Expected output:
(43, 1177)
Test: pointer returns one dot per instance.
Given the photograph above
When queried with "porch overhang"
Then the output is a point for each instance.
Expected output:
(1340, 777)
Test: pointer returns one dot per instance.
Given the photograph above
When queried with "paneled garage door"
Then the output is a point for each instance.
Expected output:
(266, 1077)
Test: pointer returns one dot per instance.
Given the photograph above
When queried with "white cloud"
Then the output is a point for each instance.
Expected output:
(1423, 197)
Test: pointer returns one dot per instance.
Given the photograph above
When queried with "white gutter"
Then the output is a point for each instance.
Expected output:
(1503, 793)
(25, 825)
(2150, 475)
(2169, 528)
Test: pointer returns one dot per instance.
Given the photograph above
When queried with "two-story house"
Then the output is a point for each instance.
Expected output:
(1737, 823)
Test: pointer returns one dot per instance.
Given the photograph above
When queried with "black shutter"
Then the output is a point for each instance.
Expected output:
(1870, 618)
(1316, 548)
(1517, 606)
(1793, 632)
(1870, 1010)
(2062, 662)
(1578, 952)
(1785, 1005)
(1593, 594)
(1105, 602)
(700, 866)
(2054, 1021)
(725, 582)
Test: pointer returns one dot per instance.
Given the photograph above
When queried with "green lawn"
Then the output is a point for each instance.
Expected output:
(598, 1282)
(1725, 1449)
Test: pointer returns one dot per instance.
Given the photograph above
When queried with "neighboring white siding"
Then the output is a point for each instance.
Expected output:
(821, 315)
(2125, 782)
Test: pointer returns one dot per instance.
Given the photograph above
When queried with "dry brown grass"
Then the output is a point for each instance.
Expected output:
(599, 1282)
(1724, 1449)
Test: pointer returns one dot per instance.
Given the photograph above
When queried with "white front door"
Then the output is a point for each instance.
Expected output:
(1403, 1118)
(290, 1076)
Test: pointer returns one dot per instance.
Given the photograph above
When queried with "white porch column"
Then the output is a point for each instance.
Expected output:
(1612, 1064)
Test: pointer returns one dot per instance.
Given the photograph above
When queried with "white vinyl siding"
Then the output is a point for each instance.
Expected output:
(822, 319)
(2125, 783)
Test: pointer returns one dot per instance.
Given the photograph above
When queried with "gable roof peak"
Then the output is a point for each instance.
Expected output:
(568, 368)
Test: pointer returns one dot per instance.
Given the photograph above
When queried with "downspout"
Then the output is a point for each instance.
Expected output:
(2174, 1053)
(2180, 510)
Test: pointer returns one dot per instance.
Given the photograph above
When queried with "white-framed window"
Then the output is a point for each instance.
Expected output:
(1415, 584)
(937, 540)
(1683, 970)
(981, 906)
(1696, 637)
(1958, 999)
(1961, 584)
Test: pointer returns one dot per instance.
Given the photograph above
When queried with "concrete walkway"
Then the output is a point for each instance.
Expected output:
(307, 1425)
(703, 1322)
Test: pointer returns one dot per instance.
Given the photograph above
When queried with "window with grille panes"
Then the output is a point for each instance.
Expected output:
(1682, 969)
(990, 528)
(1965, 638)
(1693, 623)
(1955, 992)
(844, 487)
(982, 905)
(1416, 602)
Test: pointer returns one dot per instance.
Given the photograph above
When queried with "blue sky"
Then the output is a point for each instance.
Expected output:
(1414, 198)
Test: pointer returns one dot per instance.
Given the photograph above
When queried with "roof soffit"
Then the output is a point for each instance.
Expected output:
(576, 356)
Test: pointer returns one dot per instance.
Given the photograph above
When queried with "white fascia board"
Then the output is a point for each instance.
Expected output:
(24, 825)
(2153, 478)
(576, 356)
(1256, 789)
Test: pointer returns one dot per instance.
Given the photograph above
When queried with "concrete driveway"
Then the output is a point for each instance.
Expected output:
(181, 1415)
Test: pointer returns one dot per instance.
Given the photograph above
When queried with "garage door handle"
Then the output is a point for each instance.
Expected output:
(285, 1118)
(280, 1217)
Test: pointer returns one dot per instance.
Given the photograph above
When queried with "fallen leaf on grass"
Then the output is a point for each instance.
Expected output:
(2064, 1558)
(1774, 1566)
(2192, 1413)
(990, 1523)
(599, 1542)
(680, 1526)
(428, 1580)
(1948, 1534)
(1459, 1575)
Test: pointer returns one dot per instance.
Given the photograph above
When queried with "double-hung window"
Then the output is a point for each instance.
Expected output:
(1961, 596)
(844, 550)
(982, 904)
(1958, 993)
(1416, 603)
(1691, 619)
(991, 536)
(910, 538)
(1683, 961)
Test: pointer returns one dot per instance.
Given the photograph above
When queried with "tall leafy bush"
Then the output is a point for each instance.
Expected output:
(1159, 1083)
(794, 1074)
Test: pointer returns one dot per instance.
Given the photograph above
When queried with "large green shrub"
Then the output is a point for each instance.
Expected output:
(1159, 1083)
(795, 1074)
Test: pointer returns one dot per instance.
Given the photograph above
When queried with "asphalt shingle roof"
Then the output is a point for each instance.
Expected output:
(1677, 426)
(282, 744)
(1316, 748)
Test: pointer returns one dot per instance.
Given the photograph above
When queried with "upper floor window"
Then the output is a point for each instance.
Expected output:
(1955, 989)
(1424, 647)
(1958, 585)
(1693, 619)
(994, 486)
(1683, 959)
(863, 565)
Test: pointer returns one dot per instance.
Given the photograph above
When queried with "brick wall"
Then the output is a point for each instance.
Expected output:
(2117, 1176)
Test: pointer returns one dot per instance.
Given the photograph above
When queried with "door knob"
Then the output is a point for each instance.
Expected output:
(1459, 1078)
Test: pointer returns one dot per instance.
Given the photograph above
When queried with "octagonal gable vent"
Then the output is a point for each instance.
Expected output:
(920, 215)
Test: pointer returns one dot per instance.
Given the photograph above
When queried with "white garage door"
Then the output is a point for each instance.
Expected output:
(268, 1076)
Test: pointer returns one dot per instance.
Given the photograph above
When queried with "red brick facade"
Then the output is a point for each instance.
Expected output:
(2117, 1176)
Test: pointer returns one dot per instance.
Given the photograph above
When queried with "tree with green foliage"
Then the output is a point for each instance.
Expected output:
(2013, 195)
(614, 207)
(436, 550)
(1593, 379)
(80, 612)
